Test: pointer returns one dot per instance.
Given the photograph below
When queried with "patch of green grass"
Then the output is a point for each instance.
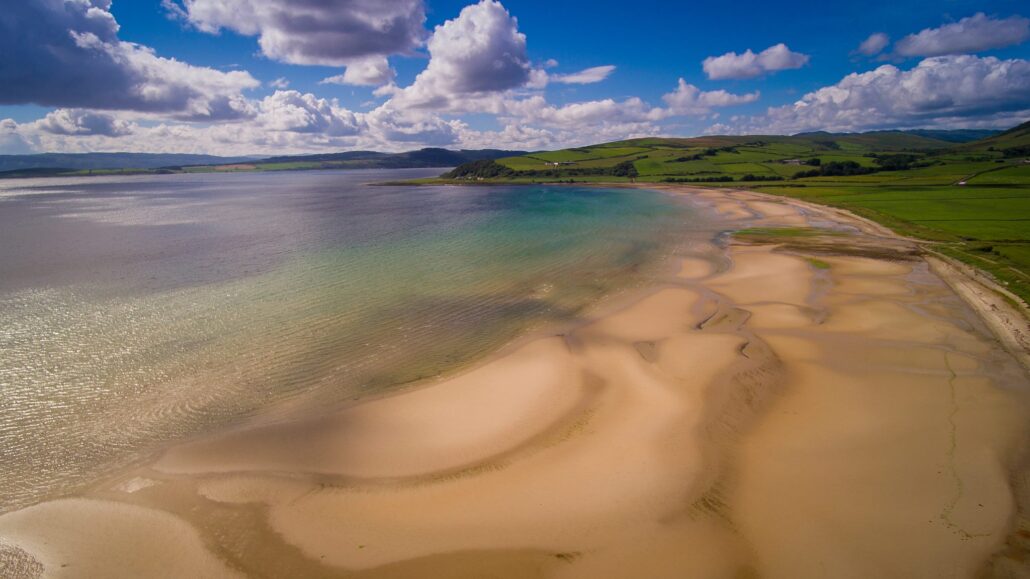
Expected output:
(987, 226)
(817, 263)
(740, 169)
(1009, 264)
(1004, 175)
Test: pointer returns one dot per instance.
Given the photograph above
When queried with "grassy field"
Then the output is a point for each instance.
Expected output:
(987, 226)
(970, 201)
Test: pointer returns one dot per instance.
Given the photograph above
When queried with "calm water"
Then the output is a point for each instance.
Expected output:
(135, 311)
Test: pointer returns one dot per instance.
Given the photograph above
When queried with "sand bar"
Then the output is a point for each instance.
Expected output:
(789, 415)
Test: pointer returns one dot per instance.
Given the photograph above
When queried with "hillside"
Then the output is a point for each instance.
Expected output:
(1016, 141)
(750, 158)
(970, 201)
(86, 161)
(954, 135)
(429, 157)
(71, 164)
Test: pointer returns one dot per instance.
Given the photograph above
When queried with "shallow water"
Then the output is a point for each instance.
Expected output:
(136, 311)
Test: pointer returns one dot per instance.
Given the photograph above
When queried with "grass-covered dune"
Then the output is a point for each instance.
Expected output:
(969, 200)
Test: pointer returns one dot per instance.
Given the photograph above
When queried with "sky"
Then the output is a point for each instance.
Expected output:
(254, 77)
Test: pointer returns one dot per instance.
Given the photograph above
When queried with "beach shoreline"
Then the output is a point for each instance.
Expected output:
(792, 408)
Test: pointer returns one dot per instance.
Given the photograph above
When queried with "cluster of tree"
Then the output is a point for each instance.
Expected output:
(836, 169)
(709, 152)
(897, 162)
(482, 169)
(1020, 151)
(488, 169)
(750, 177)
(625, 169)
(814, 162)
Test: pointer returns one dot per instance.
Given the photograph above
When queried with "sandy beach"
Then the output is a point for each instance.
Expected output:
(825, 406)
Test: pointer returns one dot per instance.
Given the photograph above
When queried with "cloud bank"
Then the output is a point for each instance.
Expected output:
(115, 95)
(944, 90)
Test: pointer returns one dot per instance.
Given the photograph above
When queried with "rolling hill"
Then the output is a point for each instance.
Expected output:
(57, 164)
(86, 161)
(969, 201)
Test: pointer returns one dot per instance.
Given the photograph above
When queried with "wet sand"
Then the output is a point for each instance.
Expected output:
(772, 409)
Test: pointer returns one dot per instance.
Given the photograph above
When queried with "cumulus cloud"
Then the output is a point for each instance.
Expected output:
(67, 53)
(972, 34)
(536, 109)
(687, 99)
(944, 90)
(609, 118)
(480, 51)
(371, 71)
(749, 65)
(408, 127)
(516, 136)
(319, 32)
(80, 122)
(280, 83)
(290, 110)
(585, 76)
(11, 141)
(874, 44)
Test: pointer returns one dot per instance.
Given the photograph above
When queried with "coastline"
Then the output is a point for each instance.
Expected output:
(792, 415)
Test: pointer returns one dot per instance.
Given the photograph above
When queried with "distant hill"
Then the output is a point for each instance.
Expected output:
(955, 135)
(753, 158)
(1015, 141)
(57, 164)
(883, 140)
(429, 157)
(936, 137)
(86, 161)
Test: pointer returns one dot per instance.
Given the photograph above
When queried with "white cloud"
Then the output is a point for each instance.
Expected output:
(479, 52)
(80, 122)
(280, 83)
(874, 44)
(749, 65)
(68, 54)
(11, 141)
(585, 76)
(939, 91)
(318, 32)
(407, 127)
(514, 136)
(371, 71)
(972, 34)
(581, 114)
(687, 99)
(289, 110)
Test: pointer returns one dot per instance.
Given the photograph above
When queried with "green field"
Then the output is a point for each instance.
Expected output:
(970, 201)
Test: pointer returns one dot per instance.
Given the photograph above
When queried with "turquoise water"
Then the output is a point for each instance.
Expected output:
(137, 311)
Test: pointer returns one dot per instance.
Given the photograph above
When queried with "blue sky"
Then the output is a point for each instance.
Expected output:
(249, 76)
